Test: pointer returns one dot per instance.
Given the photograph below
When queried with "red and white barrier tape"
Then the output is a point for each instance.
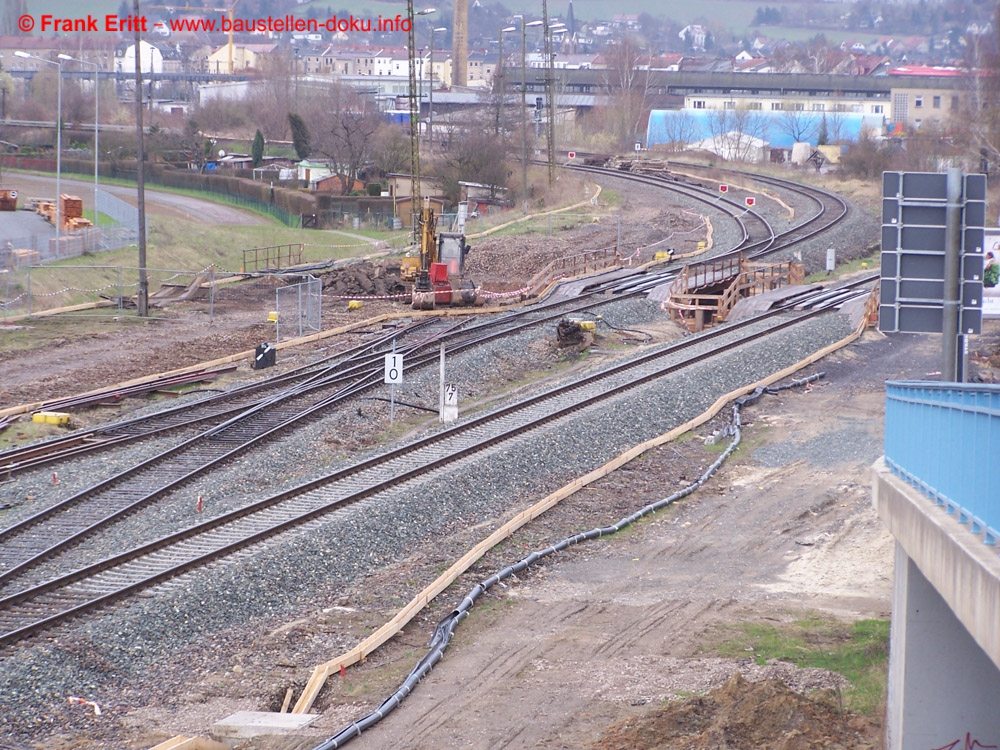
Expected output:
(480, 292)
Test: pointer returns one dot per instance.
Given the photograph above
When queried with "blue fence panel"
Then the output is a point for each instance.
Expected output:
(944, 438)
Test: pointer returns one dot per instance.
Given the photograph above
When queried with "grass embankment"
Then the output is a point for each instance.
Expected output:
(177, 250)
(859, 651)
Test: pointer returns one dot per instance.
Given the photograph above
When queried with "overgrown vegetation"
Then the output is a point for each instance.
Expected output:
(859, 651)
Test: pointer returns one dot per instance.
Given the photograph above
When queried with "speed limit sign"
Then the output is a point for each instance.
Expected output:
(393, 369)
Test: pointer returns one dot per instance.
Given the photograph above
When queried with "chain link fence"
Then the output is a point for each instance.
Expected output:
(299, 309)
(117, 227)
(292, 303)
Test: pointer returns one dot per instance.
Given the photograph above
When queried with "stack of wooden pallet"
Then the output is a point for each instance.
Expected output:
(71, 210)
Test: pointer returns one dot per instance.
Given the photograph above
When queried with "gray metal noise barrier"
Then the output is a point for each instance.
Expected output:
(446, 628)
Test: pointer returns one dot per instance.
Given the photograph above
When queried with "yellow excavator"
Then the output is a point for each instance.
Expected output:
(437, 272)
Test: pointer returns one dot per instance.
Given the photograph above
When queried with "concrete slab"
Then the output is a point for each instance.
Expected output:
(247, 724)
(759, 303)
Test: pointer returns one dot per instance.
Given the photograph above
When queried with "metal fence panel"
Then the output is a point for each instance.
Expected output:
(28, 291)
(299, 309)
(944, 438)
(125, 229)
(121, 231)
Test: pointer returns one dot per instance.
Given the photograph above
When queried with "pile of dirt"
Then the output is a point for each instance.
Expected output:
(365, 280)
(766, 715)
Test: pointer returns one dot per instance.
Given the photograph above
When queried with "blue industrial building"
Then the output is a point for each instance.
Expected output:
(666, 125)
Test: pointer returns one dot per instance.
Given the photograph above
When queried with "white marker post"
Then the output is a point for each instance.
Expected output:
(393, 376)
(449, 411)
(448, 400)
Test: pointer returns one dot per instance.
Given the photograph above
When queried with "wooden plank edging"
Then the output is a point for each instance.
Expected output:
(403, 617)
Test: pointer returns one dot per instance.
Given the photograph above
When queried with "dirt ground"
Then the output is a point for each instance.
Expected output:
(613, 644)
(584, 652)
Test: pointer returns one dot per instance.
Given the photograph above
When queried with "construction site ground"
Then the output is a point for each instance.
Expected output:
(614, 644)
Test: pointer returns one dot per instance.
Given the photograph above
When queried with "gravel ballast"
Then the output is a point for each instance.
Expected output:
(305, 570)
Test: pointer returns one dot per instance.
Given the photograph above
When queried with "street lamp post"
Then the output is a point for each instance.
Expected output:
(97, 122)
(3, 94)
(58, 65)
(524, 114)
(430, 93)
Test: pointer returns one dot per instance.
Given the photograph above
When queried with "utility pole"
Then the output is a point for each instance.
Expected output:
(499, 79)
(551, 125)
(414, 127)
(524, 113)
(143, 300)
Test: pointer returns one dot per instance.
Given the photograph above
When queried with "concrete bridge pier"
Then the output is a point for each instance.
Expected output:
(944, 692)
(944, 653)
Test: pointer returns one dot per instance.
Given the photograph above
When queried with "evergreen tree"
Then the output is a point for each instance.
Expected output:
(824, 134)
(300, 135)
(257, 150)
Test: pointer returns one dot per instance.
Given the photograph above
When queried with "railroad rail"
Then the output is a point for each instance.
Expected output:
(236, 428)
(250, 418)
(59, 599)
(61, 526)
(759, 238)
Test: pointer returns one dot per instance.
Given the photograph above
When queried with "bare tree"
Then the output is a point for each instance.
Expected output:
(225, 117)
(497, 114)
(275, 95)
(736, 130)
(979, 109)
(345, 133)
(680, 129)
(866, 159)
(194, 147)
(627, 78)
(477, 157)
(391, 150)
(795, 123)
(836, 124)
(12, 11)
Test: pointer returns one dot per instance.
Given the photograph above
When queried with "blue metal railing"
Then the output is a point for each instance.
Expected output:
(944, 438)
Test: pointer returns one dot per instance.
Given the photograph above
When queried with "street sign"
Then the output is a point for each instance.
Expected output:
(914, 235)
(723, 188)
(393, 369)
(638, 147)
(750, 201)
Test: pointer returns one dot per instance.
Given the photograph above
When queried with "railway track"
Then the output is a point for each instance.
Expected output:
(211, 409)
(47, 603)
(231, 431)
(759, 239)
(830, 209)
(233, 422)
